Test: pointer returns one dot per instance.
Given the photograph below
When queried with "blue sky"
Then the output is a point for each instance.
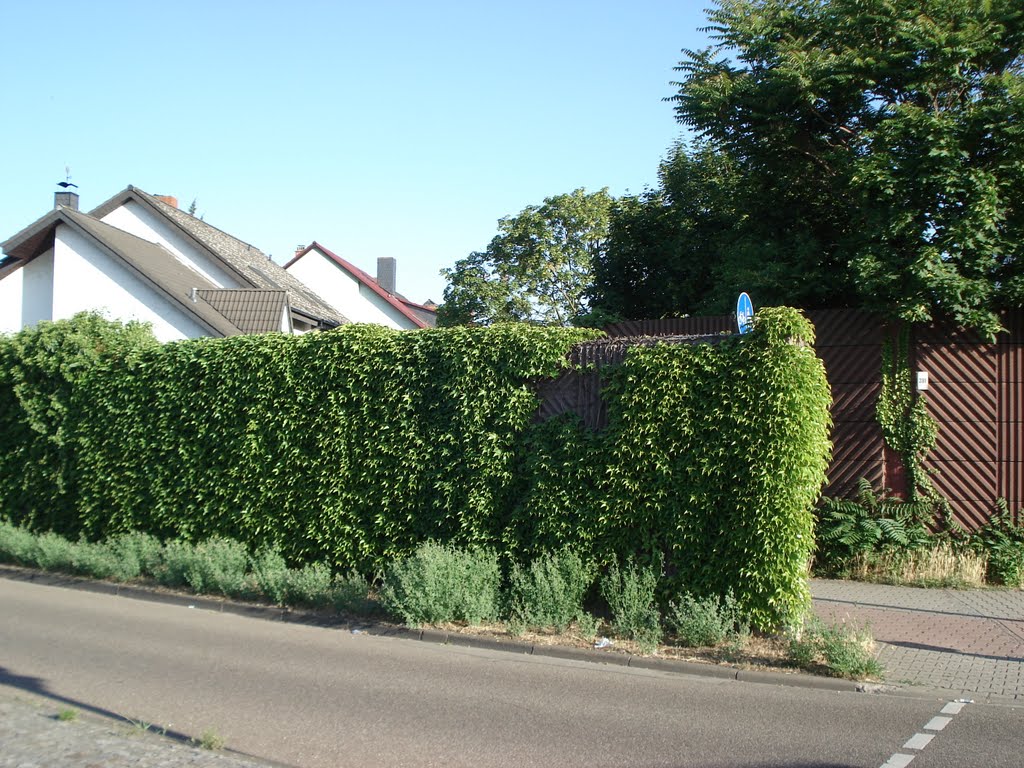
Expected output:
(399, 128)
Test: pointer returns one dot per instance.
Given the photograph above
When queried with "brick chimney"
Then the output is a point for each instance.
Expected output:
(65, 198)
(386, 273)
(169, 199)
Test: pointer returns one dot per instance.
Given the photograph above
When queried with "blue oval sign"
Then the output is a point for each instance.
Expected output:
(744, 313)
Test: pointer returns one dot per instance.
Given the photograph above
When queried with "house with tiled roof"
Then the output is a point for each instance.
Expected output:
(364, 299)
(138, 257)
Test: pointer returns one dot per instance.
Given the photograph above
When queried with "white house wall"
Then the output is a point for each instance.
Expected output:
(88, 278)
(26, 294)
(138, 220)
(10, 301)
(358, 302)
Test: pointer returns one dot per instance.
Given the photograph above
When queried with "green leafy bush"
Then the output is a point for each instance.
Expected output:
(631, 596)
(41, 369)
(439, 583)
(550, 592)
(716, 456)
(710, 621)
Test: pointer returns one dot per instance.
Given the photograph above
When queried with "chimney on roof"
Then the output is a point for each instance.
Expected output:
(65, 198)
(386, 273)
(171, 200)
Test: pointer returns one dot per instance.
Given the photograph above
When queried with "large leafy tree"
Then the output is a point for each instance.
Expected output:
(878, 155)
(536, 269)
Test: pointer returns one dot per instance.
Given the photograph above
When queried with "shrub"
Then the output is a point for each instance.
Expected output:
(310, 585)
(350, 593)
(709, 621)
(121, 558)
(550, 592)
(145, 548)
(176, 559)
(54, 553)
(439, 583)
(100, 561)
(17, 545)
(215, 566)
(270, 574)
(630, 594)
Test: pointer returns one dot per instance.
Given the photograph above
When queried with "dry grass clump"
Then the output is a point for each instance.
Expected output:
(938, 566)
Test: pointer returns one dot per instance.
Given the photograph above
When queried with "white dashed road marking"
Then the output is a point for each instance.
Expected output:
(937, 723)
(919, 741)
(898, 761)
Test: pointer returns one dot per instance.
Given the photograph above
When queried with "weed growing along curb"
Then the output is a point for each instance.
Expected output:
(839, 650)
(210, 739)
(438, 585)
(67, 715)
(706, 622)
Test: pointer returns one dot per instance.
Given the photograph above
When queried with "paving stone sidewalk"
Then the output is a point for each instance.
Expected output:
(32, 736)
(970, 642)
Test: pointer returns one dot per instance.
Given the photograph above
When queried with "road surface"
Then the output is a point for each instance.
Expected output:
(310, 696)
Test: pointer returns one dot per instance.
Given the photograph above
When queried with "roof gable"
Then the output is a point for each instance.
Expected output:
(151, 262)
(413, 312)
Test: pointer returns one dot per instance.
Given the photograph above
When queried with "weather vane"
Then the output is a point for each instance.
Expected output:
(67, 179)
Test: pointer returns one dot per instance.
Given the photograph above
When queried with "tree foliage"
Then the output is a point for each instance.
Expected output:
(536, 269)
(876, 158)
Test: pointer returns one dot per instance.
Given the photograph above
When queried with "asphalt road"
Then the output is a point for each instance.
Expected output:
(309, 696)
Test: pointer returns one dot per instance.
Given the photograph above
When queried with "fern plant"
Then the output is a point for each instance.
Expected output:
(870, 523)
(1001, 540)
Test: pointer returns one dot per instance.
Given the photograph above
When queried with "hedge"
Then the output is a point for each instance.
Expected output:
(355, 445)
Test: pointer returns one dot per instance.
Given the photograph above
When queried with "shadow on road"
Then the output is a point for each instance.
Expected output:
(39, 687)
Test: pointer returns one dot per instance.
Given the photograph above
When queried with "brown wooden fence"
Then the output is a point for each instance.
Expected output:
(975, 394)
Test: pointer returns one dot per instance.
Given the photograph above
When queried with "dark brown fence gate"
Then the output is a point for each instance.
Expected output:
(974, 394)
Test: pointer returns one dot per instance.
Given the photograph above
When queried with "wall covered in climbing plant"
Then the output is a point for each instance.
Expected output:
(352, 446)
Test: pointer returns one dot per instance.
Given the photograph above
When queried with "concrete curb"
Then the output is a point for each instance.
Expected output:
(442, 637)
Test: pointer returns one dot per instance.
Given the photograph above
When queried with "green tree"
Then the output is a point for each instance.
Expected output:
(878, 150)
(537, 269)
(664, 246)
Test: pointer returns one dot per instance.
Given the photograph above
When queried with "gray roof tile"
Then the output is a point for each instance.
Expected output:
(252, 310)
